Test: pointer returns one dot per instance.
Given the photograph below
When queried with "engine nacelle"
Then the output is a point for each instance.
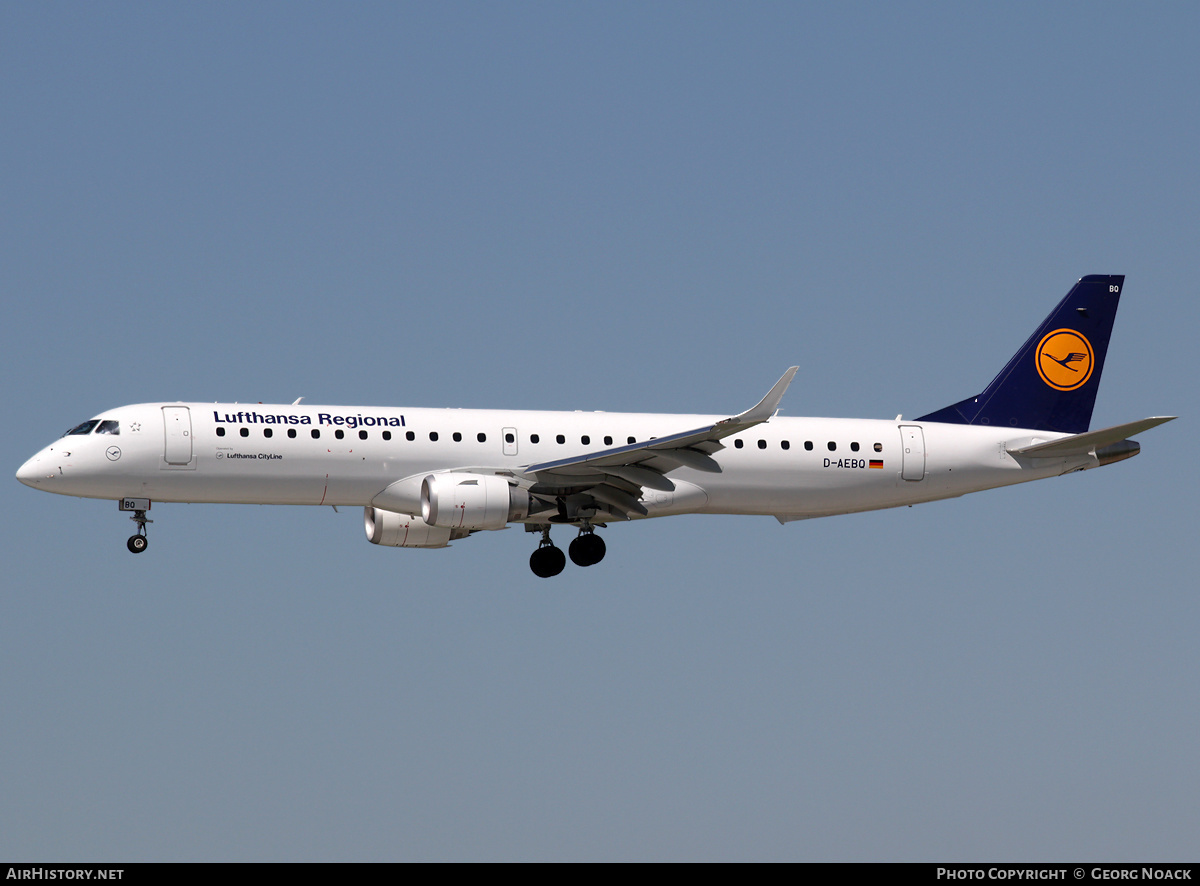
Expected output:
(462, 500)
(404, 530)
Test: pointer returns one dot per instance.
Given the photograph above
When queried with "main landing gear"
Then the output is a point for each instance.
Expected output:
(587, 549)
(548, 560)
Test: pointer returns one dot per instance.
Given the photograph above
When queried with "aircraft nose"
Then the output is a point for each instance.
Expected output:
(33, 471)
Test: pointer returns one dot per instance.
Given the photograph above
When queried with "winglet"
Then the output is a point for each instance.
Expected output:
(767, 405)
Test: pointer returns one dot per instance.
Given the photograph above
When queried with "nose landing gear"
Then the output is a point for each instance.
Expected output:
(137, 542)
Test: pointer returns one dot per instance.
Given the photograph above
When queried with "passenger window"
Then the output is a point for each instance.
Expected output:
(785, 444)
(832, 446)
(339, 433)
(482, 438)
(292, 433)
(879, 447)
(409, 435)
(433, 435)
(85, 428)
(316, 434)
(245, 432)
(109, 427)
(607, 441)
(561, 439)
(267, 432)
(387, 435)
(585, 440)
(457, 437)
(738, 444)
(534, 438)
(854, 447)
(362, 435)
(508, 438)
(220, 432)
(631, 440)
(808, 445)
(762, 444)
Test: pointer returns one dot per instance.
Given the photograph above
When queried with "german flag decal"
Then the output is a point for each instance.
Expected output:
(877, 462)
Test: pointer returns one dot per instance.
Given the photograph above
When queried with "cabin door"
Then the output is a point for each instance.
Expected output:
(177, 435)
(912, 449)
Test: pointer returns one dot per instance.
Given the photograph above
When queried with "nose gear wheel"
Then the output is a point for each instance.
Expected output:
(138, 543)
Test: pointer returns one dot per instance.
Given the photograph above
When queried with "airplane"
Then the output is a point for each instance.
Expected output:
(427, 477)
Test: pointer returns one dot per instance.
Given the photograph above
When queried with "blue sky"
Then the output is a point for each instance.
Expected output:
(635, 207)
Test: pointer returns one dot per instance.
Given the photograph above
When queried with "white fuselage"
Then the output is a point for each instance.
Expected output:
(333, 455)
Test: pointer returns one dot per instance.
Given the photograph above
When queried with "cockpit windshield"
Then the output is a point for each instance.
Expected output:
(85, 428)
(109, 426)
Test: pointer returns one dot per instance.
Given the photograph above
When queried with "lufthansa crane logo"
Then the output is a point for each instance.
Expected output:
(1064, 359)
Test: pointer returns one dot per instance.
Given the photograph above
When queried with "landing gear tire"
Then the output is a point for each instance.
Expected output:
(587, 549)
(136, 544)
(547, 561)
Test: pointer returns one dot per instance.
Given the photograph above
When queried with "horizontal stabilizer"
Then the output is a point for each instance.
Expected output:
(1082, 444)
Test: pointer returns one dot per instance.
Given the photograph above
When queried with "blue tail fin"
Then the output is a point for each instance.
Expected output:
(1051, 383)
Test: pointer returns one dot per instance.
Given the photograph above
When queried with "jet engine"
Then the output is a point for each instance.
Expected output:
(405, 530)
(463, 500)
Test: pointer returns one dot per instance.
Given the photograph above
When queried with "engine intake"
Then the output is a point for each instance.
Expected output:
(462, 500)
(404, 530)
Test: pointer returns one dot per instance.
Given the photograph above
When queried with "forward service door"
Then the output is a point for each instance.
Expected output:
(177, 435)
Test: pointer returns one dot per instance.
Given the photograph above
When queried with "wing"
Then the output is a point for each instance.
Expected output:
(612, 480)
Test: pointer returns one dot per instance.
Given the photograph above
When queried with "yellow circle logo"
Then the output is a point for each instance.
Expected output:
(1064, 359)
